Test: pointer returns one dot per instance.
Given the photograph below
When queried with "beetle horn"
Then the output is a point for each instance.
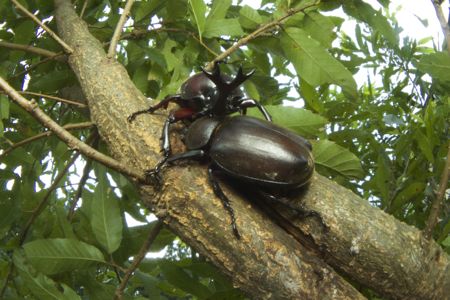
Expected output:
(224, 88)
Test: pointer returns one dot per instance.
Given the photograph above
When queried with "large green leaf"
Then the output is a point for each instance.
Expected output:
(437, 65)
(337, 159)
(314, 64)
(40, 285)
(219, 9)
(365, 13)
(220, 27)
(106, 220)
(198, 10)
(249, 17)
(302, 121)
(52, 256)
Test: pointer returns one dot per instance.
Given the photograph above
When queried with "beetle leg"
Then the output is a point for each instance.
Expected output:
(162, 104)
(225, 201)
(153, 175)
(252, 103)
(302, 211)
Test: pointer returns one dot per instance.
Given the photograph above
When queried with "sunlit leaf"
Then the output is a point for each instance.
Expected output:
(437, 65)
(302, 121)
(198, 10)
(314, 64)
(337, 159)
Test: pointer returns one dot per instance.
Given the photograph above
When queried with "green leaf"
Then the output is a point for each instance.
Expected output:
(220, 27)
(52, 256)
(314, 64)
(140, 78)
(437, 65)
(219, 9)
(145, 9)
(40, 285)
(198, 10)
(302, 121)
(106, 220)
(50, 82)
(320, 27)
(337, 159)
(249, 18)
(424, 145)
(365, 13)
(383, 177)
(4, 107)
(405, 195)
(181, 279)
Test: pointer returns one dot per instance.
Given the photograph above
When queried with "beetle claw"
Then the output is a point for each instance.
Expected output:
(153, 177)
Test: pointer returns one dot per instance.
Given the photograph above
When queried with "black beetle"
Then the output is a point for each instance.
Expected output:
(266, 157)
(203, 94)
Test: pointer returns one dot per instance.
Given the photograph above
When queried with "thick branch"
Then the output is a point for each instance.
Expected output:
(268, 261)
(271, 260)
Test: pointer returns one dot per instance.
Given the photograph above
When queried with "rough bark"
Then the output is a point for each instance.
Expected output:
(277, 257)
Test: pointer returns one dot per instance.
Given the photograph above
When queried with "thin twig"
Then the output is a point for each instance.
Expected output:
(44, 134)
(7, 279)
(67, 137)
(83, 180)
(258, 32)
(66, 47)
(437, 203)
(37, 211)
(31, 49)
(116, 36)
(444, 25)
(59, 99)
(138, 258)
(83, 9)
(43, 61)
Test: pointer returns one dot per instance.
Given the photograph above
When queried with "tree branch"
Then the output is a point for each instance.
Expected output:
(63, 134)
(435, 210)
(66, 48)
(138, 258)
(444, 25)
(116, 36)
(44, 134)
(260, 31)
(370, 247)
(34, 50)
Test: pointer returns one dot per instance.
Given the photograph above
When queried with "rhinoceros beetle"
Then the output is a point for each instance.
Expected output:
(265, 157)
(203, 94)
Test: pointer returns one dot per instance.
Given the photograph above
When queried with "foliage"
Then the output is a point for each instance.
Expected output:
(386, 139)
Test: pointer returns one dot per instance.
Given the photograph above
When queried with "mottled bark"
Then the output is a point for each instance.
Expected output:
(277, 258)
